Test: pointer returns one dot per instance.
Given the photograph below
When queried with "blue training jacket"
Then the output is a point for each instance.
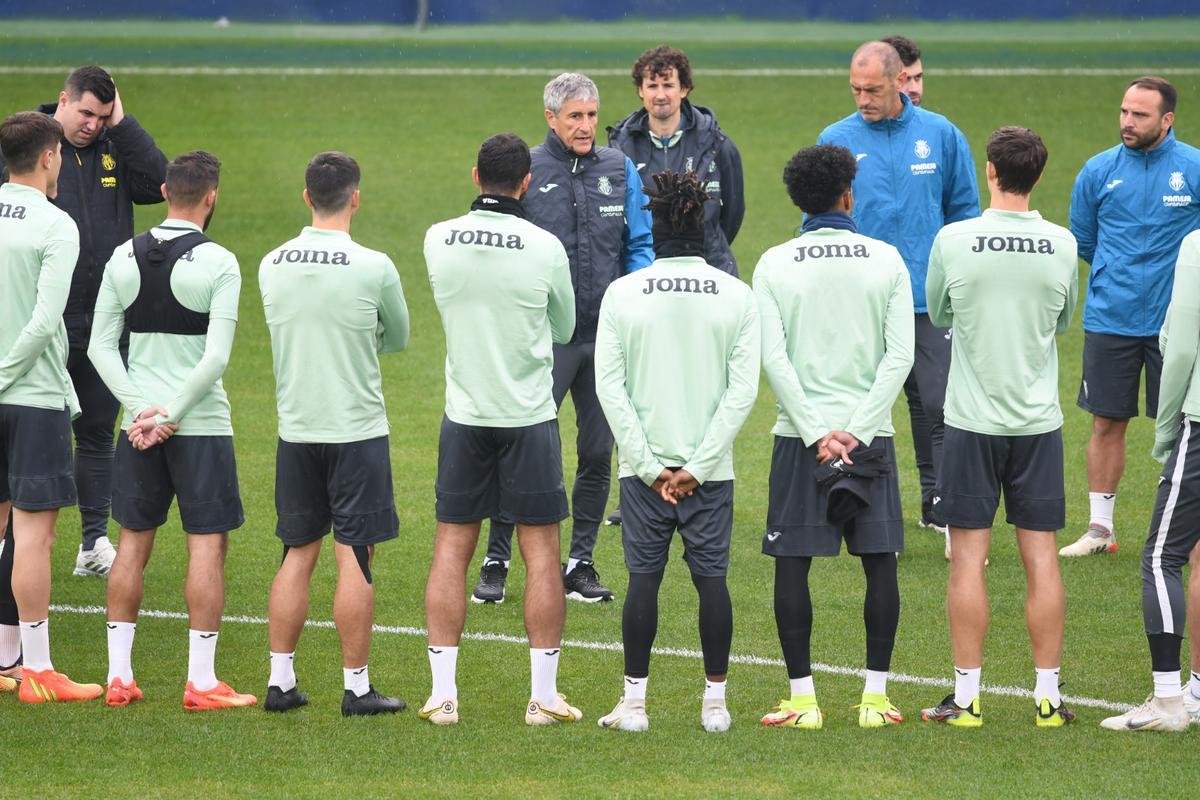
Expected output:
(915, 174)
(1130, 210)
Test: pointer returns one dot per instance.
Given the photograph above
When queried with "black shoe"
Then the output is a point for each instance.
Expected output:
(582, 583)
(614, 518)
(370, 703)
(490, 588)
(279, 700)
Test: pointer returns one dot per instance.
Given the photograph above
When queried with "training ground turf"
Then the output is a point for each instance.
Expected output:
(414, 125)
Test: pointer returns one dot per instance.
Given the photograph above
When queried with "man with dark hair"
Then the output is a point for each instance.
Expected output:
(590, 198)
(38, 247)
(915, 174)
(174, 292)
(503, 288)
(912, 81)
(332, 306)
(110, 163)
(835, 385)
(1007, 282)
(1131, 207)
(676, 467)
(670, 133)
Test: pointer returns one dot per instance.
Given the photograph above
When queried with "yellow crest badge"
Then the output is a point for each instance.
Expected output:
(108, 162)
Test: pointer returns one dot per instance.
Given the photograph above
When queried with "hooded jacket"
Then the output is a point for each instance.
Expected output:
(702, 148)
(915, 175)
(1130, 210)
(98, 187)
(594, 205)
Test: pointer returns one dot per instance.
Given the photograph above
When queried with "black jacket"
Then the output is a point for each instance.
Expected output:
(704, 149)
(98, 186)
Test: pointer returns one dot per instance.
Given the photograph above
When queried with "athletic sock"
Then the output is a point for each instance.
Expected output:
(876, 682)
(1166, 684)
(1047, 686)
(120, 651)
(357, 680)
(35, 645)
(10, 645)
(966, 685)
(1102, 504)
(283, 671)
(802, 686)
(714, 690)
(571, 564)
(202, 657)
(1194, 685)
(635, 688)
(543, 670)
(443, 664)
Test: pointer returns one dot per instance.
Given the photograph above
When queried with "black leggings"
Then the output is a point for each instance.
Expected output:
(8, 604)
(794, 616)
(639, 622)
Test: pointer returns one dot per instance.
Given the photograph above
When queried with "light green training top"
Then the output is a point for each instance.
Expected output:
(503, 288)
(39, 245)
(677, 352)
(179, 372)
(837, 318)
(1007, 282)
(1179, 387)
(332, 306)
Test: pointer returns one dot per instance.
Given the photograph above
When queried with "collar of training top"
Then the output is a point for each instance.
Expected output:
(500, 204)
(838, 220)
(559, 149)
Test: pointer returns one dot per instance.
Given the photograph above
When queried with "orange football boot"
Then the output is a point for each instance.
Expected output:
(220, 696)
(121, 693)
(49, 686)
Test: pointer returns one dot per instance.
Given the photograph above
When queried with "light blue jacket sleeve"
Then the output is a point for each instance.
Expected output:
(637, 242)
(960, 195)
(1083, 214)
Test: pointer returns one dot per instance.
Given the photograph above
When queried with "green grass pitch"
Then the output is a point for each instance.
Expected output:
(415, 136)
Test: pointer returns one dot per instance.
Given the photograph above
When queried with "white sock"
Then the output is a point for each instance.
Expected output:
(1047, 686)
(120, 651)
(876, 682)
(202, 657)
(571, 564)
(966, 685)
(714, 690)
(1102, 504)
(1194, 685)
(1166, 684)
(35, 645)
(283, 671)
(443, 663)
(543, 669)
(357, 680)
(802, 686)
(635, 688)
(10, 645)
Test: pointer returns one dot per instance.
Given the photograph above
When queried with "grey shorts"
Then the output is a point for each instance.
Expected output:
(797, 523)
(1112, 373)
(37, 472)
(977, 466)
(346, 485)
(483, 472)
(704, 522)
(199, 471)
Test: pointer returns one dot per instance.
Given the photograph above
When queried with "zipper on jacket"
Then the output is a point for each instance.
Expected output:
(86, 228)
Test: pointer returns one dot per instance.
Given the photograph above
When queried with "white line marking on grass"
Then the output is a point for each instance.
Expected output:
(518, 72)
(754, 661)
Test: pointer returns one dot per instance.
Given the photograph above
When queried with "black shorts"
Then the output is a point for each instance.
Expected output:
(976, 466)
(704, 522)
(1112, 371)
(198, 470)
(797, 523)
(37, 472)
(346, 485)
(483, 472)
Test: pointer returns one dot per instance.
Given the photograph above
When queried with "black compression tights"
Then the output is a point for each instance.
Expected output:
(639, 622)
(8, 604)
(793, 611)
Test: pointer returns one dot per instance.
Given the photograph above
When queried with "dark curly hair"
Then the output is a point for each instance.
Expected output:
(817, 176)
(678, 200)
(660, 61)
